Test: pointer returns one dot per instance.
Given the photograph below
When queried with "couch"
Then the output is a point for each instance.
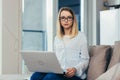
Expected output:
(104, 62)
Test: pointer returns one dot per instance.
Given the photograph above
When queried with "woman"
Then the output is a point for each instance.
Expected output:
(71, 49)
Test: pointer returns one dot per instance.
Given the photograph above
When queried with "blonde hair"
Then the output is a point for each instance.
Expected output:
(60, 30)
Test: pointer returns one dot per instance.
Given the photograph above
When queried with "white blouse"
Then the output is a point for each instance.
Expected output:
(73, 52)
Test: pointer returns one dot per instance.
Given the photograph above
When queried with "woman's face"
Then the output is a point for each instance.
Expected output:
(66, 19)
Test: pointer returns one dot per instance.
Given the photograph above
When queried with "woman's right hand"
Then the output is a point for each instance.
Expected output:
(70, 72)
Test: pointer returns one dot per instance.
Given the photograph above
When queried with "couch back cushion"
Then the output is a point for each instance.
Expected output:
(99, 59)
(115, 55)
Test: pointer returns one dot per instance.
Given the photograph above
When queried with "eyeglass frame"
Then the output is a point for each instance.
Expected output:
(66, 18)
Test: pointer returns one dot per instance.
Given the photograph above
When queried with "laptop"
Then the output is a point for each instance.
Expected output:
(41, 61)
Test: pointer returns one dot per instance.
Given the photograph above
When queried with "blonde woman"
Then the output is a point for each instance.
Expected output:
(71, 49)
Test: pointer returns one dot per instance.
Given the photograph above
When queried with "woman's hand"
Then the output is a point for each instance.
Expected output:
(70, 72)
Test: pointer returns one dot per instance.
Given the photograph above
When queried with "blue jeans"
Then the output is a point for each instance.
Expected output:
(51, 76)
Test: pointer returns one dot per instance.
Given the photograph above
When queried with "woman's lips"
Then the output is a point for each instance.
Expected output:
(66, 24)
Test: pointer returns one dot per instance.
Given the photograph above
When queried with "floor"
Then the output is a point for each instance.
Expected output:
(14, 77)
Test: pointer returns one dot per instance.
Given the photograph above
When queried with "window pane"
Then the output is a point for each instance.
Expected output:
(33, 40)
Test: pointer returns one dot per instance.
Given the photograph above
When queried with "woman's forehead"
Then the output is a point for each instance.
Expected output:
(65, 13)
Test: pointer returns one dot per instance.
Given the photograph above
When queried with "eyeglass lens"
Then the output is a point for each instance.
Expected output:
(69, 18)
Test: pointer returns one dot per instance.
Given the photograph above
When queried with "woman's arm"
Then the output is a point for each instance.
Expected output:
(83, 64)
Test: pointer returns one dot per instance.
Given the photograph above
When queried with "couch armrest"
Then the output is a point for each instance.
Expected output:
(112, 74)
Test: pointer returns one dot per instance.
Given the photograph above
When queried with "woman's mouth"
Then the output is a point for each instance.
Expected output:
(66, 24)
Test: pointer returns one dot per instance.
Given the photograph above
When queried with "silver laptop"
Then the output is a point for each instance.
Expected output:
(41, 61)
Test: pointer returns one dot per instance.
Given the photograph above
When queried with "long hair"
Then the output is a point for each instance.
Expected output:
(60, 30)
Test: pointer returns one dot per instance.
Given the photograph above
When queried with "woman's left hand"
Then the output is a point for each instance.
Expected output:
(70, 72)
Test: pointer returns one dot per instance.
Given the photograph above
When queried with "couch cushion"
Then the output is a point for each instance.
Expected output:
(112, 74)
(117, 42)
(115, 56)
(98, 61)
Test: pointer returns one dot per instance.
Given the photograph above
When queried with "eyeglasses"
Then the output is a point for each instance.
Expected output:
(69, 18)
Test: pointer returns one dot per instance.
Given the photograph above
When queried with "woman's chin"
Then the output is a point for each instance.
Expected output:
(66, 27)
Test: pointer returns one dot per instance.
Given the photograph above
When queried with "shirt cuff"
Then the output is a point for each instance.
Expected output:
(78, 71)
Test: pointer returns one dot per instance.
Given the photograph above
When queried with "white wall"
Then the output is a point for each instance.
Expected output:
(109, 21)
(0, 36)
(11, 36)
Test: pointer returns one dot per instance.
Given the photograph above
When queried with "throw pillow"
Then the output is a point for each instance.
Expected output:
(99, 59)
(115, 56)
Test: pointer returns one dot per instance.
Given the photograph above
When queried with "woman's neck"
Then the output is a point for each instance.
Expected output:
(67, 31)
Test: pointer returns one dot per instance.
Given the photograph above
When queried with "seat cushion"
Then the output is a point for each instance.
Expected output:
(115, 56)
(112, 74)
(99, 59)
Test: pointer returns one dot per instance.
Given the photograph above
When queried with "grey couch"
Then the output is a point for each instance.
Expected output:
(103, 59)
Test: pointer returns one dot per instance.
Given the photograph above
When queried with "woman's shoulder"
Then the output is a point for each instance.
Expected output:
(82, 37)
(81, 34)
(57, 38)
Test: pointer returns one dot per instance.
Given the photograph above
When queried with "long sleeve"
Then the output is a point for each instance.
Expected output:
(84, 57)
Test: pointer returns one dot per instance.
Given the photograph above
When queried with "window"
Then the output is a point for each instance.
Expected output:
(34, 40)
(34, 33)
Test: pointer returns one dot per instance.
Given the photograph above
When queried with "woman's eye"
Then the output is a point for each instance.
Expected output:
(69, 17)
(62, 17)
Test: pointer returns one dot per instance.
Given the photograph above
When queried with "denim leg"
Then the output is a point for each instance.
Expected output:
(37, 76)
(52, 76)
(74, 78)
